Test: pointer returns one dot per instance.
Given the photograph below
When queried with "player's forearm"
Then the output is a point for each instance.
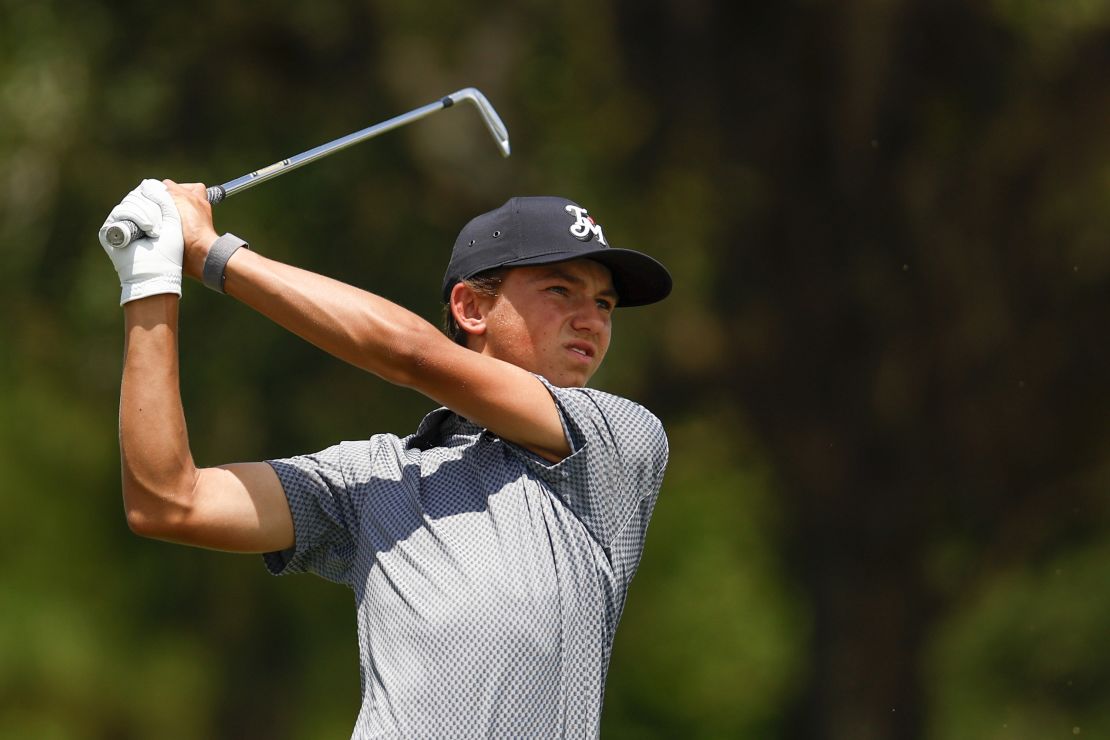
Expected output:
(354, 325)
(157, 466)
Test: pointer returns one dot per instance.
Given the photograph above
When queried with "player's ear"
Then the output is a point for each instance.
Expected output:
(469, 309)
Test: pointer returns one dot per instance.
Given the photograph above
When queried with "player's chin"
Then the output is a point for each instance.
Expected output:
(575, 377)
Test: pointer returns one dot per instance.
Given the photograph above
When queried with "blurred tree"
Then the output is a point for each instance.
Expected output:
(911, 204)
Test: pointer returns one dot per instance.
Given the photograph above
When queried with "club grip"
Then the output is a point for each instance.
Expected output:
(121, 233)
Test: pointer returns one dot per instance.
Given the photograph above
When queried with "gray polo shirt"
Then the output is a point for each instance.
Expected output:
(488, 582)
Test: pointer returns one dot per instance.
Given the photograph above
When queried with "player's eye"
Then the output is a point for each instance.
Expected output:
(604, 305)
(559, 289)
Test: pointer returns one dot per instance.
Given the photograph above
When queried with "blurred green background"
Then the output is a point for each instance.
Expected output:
(883, 369)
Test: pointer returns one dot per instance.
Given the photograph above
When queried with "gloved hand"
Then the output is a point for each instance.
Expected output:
(152, 264)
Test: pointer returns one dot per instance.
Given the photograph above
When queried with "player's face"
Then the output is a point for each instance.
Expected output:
(554, 320)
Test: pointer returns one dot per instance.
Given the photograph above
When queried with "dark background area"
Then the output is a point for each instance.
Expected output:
(883, 369)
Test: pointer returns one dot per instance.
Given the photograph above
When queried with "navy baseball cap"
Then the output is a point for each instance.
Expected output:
(540, 230)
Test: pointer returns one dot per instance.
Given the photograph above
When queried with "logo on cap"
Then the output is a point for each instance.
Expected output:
(584, 226)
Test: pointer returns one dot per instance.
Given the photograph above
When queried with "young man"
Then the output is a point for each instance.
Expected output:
(491, 551)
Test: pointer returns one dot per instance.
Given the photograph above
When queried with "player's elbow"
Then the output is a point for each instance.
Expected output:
(412, 356)
(142, 522)
(155, 514)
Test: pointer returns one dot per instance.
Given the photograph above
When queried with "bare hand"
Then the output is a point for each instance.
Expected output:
(196, 223)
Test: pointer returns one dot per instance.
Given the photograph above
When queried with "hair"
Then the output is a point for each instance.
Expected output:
(486, 283)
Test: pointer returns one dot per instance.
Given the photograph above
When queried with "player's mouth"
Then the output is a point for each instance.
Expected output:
(585, 350)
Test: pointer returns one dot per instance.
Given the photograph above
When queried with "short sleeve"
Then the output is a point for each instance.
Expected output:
(619, 453)
(325, 520)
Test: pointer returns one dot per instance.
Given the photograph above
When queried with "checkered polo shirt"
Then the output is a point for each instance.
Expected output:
(488, 582)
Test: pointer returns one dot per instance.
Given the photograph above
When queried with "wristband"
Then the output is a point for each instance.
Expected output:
(216, 261)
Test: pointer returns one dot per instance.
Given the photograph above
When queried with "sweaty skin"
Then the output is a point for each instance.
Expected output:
(555, 320)
(552, 320)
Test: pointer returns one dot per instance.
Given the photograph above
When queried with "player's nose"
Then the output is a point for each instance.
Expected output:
(590, 316)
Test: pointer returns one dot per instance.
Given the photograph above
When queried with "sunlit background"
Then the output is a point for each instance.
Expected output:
(884, 368)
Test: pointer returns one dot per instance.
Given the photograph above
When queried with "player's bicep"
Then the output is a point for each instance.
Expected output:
(508, 400)
(238, 508)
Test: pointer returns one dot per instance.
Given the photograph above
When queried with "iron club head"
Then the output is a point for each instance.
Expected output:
(489, 115)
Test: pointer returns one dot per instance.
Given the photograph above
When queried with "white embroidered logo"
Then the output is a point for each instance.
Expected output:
(584, 226)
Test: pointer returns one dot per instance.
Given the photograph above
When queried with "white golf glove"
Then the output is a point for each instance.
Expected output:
(152, 264)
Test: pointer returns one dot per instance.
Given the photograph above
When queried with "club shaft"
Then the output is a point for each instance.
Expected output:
(299, 160)
(121, 233)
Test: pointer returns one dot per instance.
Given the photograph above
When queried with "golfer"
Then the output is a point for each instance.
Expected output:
(490, 552)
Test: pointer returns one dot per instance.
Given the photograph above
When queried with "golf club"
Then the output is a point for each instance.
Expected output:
(121, 233)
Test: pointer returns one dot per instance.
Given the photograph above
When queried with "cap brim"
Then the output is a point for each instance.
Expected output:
(638, 279)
